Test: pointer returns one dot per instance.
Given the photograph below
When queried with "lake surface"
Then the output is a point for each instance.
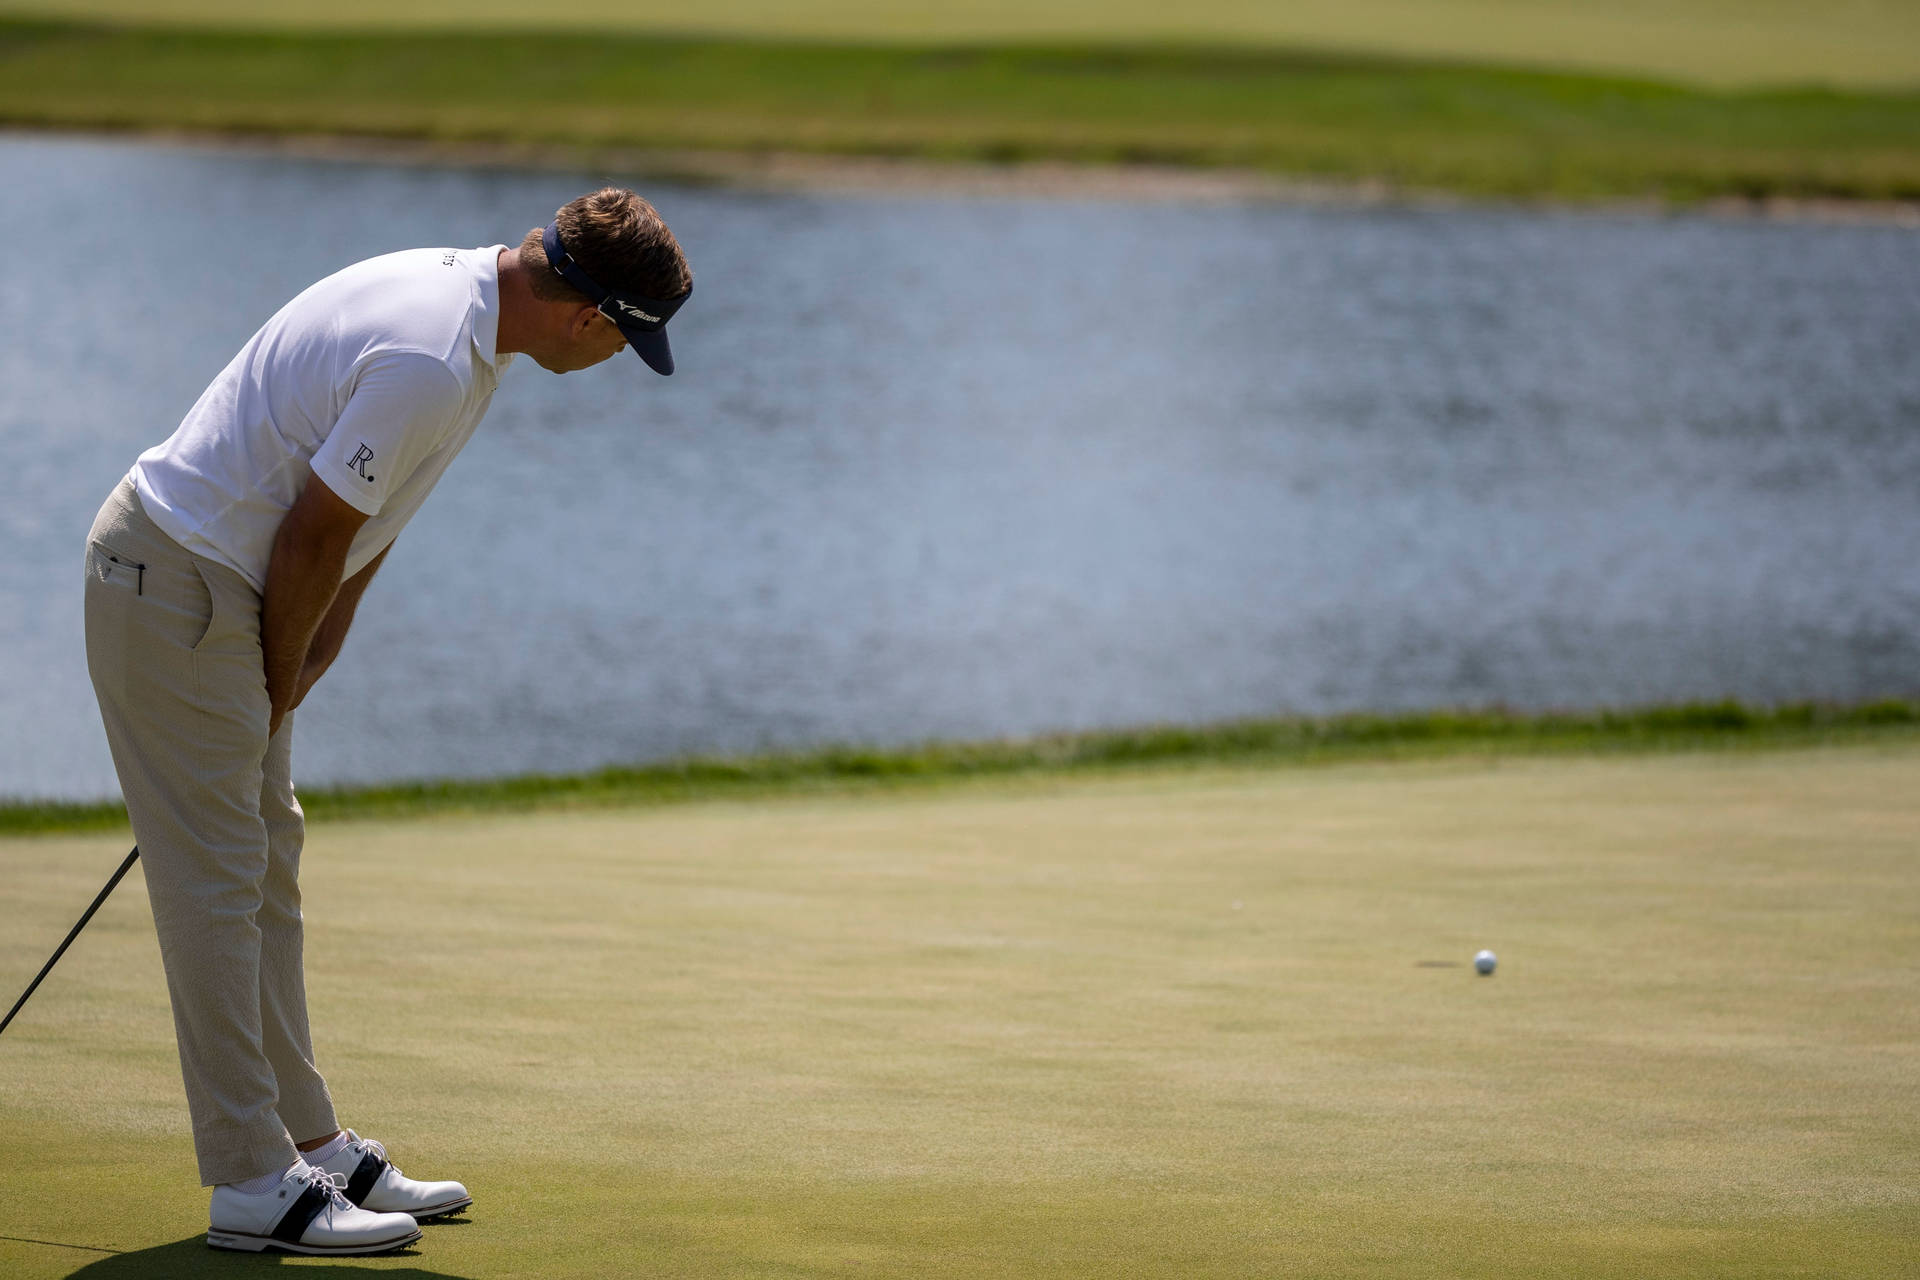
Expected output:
(968, 468)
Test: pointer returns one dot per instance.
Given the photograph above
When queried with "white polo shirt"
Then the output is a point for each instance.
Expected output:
(375, 377)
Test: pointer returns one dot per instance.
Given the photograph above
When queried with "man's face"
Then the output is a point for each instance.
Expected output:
(590, 339)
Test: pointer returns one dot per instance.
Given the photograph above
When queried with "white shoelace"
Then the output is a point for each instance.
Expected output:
(335, 1184)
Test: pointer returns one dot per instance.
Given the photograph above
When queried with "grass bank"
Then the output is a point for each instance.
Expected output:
(1421, 125)
(1694, 727)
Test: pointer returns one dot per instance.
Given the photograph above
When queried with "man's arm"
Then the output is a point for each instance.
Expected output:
(332, 632)
(303, 580)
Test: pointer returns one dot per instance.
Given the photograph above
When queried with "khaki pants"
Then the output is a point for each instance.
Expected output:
(173, 644)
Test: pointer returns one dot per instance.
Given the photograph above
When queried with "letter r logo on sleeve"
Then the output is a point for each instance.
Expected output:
(358, 462)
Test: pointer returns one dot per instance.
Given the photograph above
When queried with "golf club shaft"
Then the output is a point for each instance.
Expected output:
(73, 933)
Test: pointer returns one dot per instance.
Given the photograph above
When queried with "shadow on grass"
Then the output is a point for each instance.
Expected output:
(191, 1258)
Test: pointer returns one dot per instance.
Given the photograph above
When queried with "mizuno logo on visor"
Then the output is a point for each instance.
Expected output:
(634, 311)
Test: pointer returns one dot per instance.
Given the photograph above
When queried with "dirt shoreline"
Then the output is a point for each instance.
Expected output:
(797, 171)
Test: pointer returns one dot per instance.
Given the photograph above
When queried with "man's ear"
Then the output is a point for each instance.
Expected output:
(582, 320)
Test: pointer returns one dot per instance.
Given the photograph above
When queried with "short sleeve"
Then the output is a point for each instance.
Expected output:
(397, 415)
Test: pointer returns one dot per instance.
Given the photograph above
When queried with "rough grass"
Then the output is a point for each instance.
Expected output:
(1480, 130)
(1691, 727)
(1166, 1023)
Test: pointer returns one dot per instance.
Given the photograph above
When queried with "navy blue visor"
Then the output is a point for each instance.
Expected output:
(642, 319)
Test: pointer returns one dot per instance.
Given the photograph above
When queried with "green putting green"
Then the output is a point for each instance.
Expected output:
(1214, 1022)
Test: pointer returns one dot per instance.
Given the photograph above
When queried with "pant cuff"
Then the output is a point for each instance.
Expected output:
(235, 1155)
(306, 1123)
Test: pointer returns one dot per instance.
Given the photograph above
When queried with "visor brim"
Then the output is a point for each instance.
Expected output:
(651, 345)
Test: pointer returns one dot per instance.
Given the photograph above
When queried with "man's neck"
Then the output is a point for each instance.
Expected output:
(516, 305)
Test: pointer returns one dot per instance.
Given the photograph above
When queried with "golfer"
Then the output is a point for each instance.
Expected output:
(222, 576)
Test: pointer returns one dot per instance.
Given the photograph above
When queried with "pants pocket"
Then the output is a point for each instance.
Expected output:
(162, 599)
(112, 569)
(213, 608)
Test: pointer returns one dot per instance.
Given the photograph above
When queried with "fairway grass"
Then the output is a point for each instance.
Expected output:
(1202, 1022)
(600, 100)
(1725, 42)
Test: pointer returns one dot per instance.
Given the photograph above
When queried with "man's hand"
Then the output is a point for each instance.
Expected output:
(303, 580)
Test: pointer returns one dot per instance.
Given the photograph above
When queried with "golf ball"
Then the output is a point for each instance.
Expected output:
(1484, 961)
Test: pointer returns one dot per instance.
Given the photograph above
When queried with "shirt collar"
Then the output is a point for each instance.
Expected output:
(486, 307)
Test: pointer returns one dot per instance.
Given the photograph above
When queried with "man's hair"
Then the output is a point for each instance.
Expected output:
(618, 239)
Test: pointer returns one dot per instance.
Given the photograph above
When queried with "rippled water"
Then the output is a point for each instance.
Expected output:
(964, 468)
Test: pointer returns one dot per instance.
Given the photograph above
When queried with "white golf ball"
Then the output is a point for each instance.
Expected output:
(1484, 961)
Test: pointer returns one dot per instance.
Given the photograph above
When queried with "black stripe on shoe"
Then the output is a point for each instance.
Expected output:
(300, 1214)
(361, 1183)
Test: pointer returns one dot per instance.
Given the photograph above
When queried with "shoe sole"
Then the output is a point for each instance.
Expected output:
(247, 1242)
(435, 1211)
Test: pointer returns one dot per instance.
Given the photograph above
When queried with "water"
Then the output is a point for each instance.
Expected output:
(957, 469)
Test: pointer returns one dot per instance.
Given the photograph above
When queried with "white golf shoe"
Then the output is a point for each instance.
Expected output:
(373, 1183)
(306, 1213)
